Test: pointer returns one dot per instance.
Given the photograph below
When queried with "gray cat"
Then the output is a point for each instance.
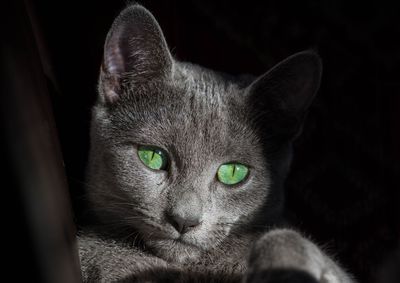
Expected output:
(187, 165)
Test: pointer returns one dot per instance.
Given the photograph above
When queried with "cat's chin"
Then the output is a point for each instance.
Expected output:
(175, 250)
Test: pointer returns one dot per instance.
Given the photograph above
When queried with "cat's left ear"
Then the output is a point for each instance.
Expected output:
(282, 95)
(135, 51)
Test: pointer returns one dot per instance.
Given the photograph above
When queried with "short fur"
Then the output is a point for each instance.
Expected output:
(202, 119)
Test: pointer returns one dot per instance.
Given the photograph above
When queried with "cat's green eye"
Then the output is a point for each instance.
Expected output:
(153, 157)
(232, 173)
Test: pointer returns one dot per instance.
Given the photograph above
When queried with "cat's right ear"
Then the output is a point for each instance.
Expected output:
(282, 96)
(135, 51)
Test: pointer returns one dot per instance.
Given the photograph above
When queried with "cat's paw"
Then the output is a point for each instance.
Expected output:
(284, 255)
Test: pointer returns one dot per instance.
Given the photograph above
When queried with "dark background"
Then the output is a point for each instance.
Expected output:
(342, 190)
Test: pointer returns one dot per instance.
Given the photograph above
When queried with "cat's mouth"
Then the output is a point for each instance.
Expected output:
(179, 241)
(169, 244)
(157, 233)
(175, 250)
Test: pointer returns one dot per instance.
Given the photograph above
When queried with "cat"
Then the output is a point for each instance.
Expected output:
(186, 167)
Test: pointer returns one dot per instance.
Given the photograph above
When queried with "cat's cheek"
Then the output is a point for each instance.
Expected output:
(240, 202)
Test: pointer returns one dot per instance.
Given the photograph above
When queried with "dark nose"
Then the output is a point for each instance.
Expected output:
(184, 224)
(186, 212)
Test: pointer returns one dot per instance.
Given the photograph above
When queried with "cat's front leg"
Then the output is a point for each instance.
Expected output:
(283, 255)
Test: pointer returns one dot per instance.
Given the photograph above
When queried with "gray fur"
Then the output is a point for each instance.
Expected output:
(202, 119)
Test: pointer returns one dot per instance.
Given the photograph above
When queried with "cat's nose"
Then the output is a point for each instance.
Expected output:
(186, 212)
(184, 224)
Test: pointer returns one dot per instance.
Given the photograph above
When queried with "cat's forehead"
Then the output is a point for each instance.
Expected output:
(192, 95)
(198, 109)
(204, 83)
(202, 90)
(201, 99)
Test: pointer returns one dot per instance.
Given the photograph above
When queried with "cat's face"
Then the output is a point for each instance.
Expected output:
(177, 151)
(199, 124)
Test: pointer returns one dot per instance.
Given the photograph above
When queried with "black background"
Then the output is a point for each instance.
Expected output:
(341, 190)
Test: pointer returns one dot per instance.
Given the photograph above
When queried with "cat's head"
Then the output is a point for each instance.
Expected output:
(183, 155)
